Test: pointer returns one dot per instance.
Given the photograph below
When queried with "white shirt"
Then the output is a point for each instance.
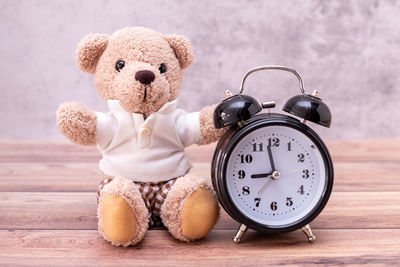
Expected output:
(150, 150)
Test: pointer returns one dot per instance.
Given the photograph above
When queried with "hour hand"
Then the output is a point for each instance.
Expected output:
(261, 175)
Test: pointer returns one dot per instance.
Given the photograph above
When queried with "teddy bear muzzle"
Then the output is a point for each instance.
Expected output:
(145, 76)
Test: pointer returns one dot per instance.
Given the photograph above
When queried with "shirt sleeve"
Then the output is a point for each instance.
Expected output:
(188, 127)
(106, 128)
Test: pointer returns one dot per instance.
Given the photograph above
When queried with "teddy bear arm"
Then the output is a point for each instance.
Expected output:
(77, 122)
(208, 133)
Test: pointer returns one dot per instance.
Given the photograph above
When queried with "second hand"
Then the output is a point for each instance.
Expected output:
(276, 175)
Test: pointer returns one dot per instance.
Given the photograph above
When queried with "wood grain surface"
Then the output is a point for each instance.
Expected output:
(48, 213)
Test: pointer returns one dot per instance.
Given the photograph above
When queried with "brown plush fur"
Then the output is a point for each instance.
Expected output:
(89, 51)
(182, 48)
(141, 49)
(77, 122)
(208, 133)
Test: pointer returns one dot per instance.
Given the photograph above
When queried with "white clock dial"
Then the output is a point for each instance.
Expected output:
(289, 197)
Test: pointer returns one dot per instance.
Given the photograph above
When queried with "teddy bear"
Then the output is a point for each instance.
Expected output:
(146, 177)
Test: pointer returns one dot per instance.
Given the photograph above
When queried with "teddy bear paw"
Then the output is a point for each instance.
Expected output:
(118, 221)
(199, 214)
(122, 214)
(190, 209)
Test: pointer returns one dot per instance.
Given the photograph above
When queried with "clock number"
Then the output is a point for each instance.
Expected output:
(301, 190)
(289, 146)
(306, 174)
(248, 158)
(246, 190)
(289, 201)
(274, 205)
(257, 201)
(257, 147)
(301, 157)
(241, 174)
(273, 142)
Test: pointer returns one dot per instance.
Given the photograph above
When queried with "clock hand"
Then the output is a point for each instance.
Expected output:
(261, 175)
(266, 175)
(262, 188)
(271, 159)
(291, 171)
(275, 176)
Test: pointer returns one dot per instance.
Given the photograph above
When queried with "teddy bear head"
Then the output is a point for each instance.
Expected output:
(138, 66)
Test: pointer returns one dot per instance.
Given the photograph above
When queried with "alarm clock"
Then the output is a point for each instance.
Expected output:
(271, 172)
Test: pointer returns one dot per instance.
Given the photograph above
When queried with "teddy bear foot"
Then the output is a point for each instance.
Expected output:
(199, 214)
(122, 214)
(190, 209)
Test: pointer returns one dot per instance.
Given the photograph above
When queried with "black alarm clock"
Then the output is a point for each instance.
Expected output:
(272, 173)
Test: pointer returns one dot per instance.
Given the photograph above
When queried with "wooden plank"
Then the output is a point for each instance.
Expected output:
(350, 210)
(367, 176)
(57, 151)
(85, 177)
(46, 151)
(86, 247)
(62, 151)
(365, 150)
(27, 210)
(49, 177)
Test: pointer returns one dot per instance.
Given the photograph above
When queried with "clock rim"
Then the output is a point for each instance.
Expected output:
(229, 141)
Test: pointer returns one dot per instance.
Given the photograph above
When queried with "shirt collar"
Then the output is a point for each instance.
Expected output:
(115, 106)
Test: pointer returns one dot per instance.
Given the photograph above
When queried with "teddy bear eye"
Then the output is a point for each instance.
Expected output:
(162, 68)
(120, 65)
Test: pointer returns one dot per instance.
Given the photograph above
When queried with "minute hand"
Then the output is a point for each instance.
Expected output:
(271, 159)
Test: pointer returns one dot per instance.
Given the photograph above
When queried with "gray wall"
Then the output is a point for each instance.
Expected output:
(349, 50)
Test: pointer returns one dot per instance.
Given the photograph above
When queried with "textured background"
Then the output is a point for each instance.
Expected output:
(349, 50)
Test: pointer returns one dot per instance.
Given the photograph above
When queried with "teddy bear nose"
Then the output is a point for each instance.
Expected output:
(145, 76)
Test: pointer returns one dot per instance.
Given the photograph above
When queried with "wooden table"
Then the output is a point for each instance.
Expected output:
(48, 213)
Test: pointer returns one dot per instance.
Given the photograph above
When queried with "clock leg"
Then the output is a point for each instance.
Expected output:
(307, 231)
(241, 231)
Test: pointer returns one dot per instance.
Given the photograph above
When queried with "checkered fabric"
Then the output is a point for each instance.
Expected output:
(153, 194)
(102, 184)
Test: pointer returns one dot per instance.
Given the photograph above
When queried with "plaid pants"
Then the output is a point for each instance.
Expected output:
(153, 194)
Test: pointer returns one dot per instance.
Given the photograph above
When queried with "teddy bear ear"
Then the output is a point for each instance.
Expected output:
(89, 51)
(182, 48)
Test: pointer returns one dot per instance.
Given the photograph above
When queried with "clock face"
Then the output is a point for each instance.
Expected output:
(275, 175)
